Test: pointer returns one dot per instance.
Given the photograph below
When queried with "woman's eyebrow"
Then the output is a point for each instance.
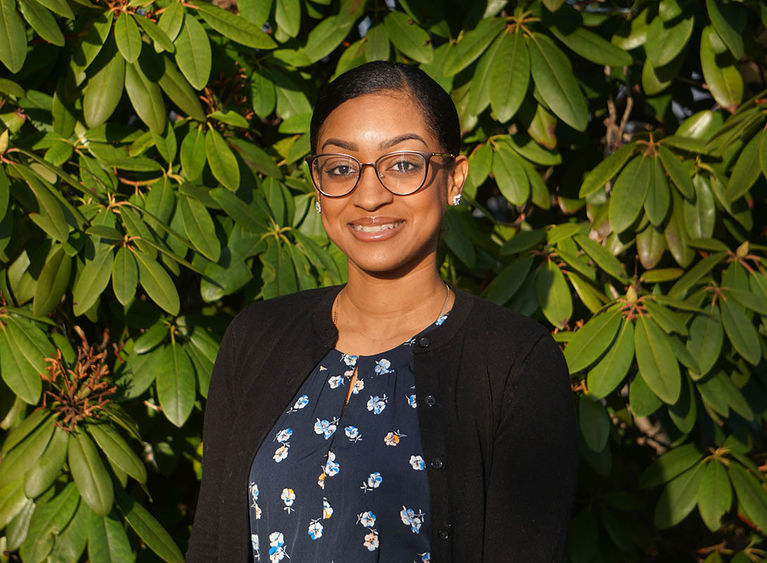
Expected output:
(400, 138)
(340, 143)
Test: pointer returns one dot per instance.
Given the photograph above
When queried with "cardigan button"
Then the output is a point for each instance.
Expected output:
(443, 534)
(424, 342)
(430, 400)
(437, 463)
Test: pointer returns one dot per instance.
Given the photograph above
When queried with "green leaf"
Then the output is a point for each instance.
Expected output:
(556, 83)
(658, 199)
(49, 205)
(117, 450)
(510, 76)
(745, 173)
(51, 518)
(751, 495)
(719, 70)
(179, 90)
(676, 171)
(128, 38)
(13, 37)
(510, 175)
(678, 498)
(199, 227)
(605, 170)
(594, 423)
(408, 37)
(665, 42)
(763, 153)
(23, 429)
(89, 473)
(729, 35)
(255, 157)
(591, 46)
(12, 502)
(247, 216)
(508, 281)
(262, 94)
(721, 394)
(327, 35)
(601, 256)
(157, 283)
(149, 530)
(695, 273)
(48, 466)
(629, 193)
(750, 300)
(172, 19)
(554, 294)
(590, 341)
(192, 153)
(234, 27)
(714, 494)
(107, 540)
(667, 319)
(608, 374)
(151, 338)
(59, 7)
(377, 43)
(454, 234)
(52, 282)
(741, 332)
(471, 44)
(656, 361)
(21, 375)
(287, 14)
(230, 118)
(176, 385)
(42, 21)
(156, 34)
(124, 275)
(70, 544)
(193, 54)
(479, 94)
(26, 454)
(146, 98)
(705, 341)
(221, 160)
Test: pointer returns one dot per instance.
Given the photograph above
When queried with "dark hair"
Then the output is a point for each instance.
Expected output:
(378, 76)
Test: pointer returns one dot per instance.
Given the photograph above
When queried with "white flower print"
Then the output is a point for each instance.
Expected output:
(254, 545)
(367, 519)
(283, 435)
(335, 381)
(325, 428)
(300, 403)
(276, 539)
(349, 372)
(412, 518)
(377, 404)
(393, 438)
(327, 510)
(382, 367)
(350, 360)
(253, 491)
(417, 463)
(281, 453)
(315, 529)
(353, 433)
(411, 400)
(276, 549)
(440, 320)
(331, 466)
(358, 386)
(371, 541)
(373, 482)
(288, 496)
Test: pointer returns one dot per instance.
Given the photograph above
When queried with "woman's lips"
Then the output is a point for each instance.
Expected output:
(375, 229)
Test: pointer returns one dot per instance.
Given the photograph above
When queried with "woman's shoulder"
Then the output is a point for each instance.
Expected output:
(494, 321)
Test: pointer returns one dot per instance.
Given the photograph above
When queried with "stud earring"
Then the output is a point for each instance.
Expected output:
(457, 199)
(318, 206)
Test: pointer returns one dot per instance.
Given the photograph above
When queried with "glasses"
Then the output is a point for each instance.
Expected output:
(401, 172)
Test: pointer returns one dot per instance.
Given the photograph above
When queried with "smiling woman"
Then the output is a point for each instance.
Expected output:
(394, 418)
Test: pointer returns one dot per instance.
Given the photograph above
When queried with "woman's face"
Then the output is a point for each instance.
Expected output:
(383, 233)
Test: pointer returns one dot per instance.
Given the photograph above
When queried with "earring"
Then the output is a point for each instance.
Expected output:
(318, 206)
(457, 199)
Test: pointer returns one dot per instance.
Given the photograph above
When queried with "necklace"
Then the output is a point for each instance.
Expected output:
(441, 312)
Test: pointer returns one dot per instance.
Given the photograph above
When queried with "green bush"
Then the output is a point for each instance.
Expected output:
(152, 183)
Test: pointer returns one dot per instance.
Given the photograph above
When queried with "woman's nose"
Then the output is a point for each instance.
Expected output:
(370, 193)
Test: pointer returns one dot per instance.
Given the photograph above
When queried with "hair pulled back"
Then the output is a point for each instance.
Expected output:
(379, 76)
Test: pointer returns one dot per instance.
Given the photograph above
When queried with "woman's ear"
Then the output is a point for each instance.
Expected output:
(456, 178)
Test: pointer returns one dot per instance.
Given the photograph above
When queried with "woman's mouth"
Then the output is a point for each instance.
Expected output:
(375, 228)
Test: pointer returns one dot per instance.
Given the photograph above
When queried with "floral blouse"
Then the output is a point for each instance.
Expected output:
(336, 484)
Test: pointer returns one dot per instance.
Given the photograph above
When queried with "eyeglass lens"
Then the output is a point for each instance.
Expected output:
(400, 173)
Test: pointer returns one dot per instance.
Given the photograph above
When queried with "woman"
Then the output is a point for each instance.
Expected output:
(394, 418)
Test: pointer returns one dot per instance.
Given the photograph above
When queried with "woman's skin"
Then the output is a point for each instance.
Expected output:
(394, 289)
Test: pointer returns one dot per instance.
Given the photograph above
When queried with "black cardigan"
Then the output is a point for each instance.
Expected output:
(495, 412)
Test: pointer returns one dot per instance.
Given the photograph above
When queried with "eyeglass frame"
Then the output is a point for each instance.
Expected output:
(425, 154)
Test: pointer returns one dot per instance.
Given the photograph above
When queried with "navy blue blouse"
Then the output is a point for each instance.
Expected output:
(335, 484)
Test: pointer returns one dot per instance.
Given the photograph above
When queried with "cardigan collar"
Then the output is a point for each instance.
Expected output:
(327, 333)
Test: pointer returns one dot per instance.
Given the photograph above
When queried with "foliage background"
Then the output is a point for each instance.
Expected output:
(152, 183)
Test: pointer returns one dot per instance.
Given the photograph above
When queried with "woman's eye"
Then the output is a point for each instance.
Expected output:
(405, 166)
(340, 170)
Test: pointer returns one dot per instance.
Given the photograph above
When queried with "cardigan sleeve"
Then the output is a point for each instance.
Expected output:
(203, 543)
(534, 462)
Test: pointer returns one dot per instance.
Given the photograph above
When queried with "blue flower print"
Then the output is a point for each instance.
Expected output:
(371, 541)
(377, 404)
(350, 360)
(288, 496)
(417, 463)
(367, 519)
(411, 400)
(325, 428)
(300, 403)
(277, 547)
(353, 433)
(382, 367)
(315, 529)
(393, 438)
(412, 518)
(374, 481)
(281, 453)
(327, 510)
(253, 492)
(335, 381)
(254, 546)
(440, 320)
(425, 557)
(331, 466)
(283, 435)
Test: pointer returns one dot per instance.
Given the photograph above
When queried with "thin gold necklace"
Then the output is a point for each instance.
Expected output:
(441, 312)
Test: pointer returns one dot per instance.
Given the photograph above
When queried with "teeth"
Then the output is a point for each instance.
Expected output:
(375, 228)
